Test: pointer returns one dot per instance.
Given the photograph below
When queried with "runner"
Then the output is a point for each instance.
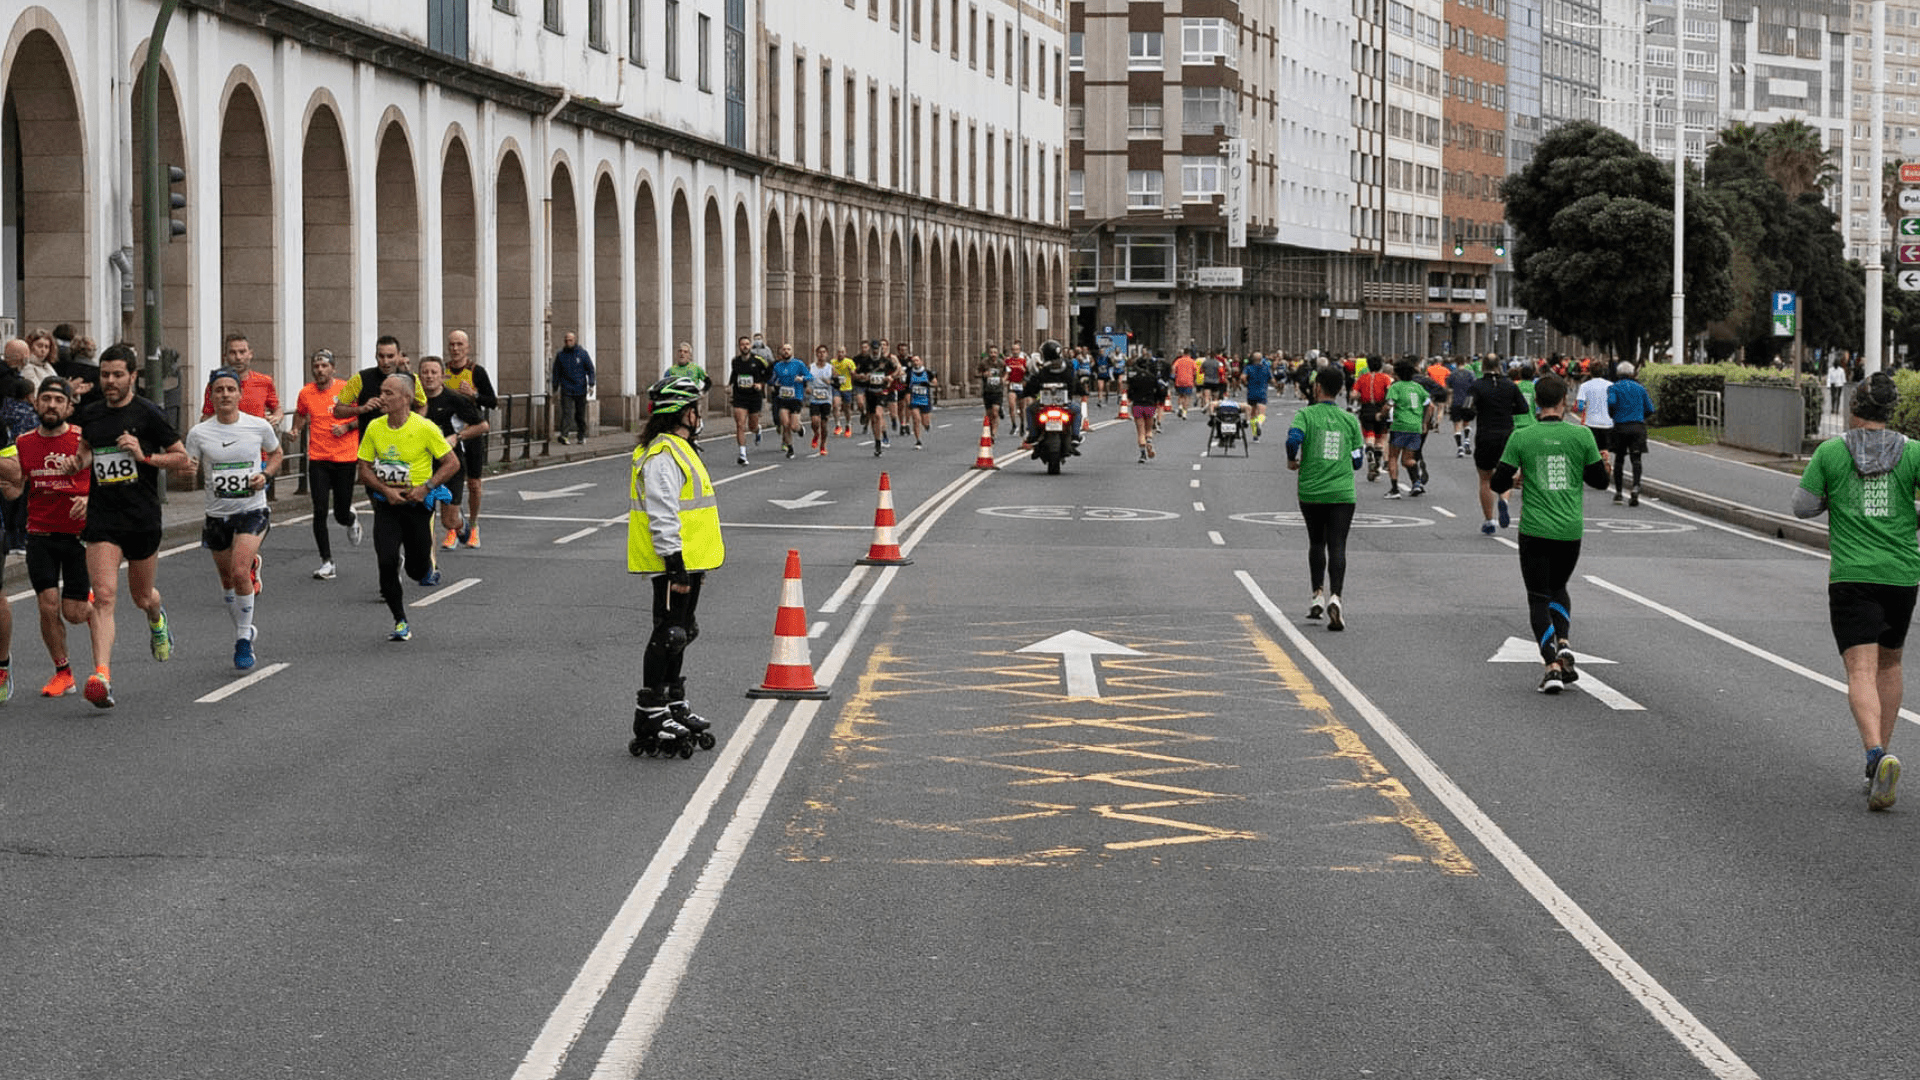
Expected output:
(360, 394)
(466, 377)
(873, 370)
(1866, 481)
(1492, 401)
(1590, 402)
(52, 465)
(11, 485)
(820, 393)
(459, 419)
(1184, 373)
(239, 451)
(1213, 381)
(1370, 390)
(1459, 382)
(130, 441)
(673, 535)
(921, 386)
(258, 397)
(747, 378)
(1147, 395)
(1325, 446)
(789, 382)
(332, 459)
(1016, 365)
(1408, 409)
(1631, 408)
(685, 367)
(843, 393)
(993, 386)
(1257, 376)
(1552, 457)
(404, 462)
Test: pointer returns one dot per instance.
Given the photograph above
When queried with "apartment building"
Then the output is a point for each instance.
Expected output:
(1474, 164)
(1900, 126)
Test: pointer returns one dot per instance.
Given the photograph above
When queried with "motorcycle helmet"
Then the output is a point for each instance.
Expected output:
(1053, 356)
(672, 394)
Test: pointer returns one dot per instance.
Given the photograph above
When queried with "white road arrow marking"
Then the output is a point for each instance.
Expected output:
(1077, 651)
(1521, 651)
(811, 498)
(556, 493)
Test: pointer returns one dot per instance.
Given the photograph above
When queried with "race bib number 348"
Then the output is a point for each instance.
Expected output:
(112, 465)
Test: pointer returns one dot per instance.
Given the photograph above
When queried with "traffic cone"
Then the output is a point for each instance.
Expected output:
(790, 672)
(885, 550)
(984, 460)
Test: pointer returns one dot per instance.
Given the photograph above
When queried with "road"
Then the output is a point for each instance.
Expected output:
(1263, 850)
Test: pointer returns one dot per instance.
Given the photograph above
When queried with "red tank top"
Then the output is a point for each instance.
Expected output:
(50, 490)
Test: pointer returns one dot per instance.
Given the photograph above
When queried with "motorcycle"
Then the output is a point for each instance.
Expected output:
(1055, 424)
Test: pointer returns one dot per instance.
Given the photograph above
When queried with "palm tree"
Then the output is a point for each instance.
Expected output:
(1796, 157)
(1740, 135)
(1890, 193)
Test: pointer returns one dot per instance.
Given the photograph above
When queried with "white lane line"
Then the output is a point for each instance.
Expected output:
(1701, 1042)
(1444, 512)
(1661, 506)
(1744, 646)
(442, 593)
(1218, 540)
(1193, 483)
(1514, 544)
(845, 590)
(1196, 467)
(784, 525)
(627, 1049)
(814, 631)
(238, 685)
(491, 516)
(581, 535)
(1199, 508)
(1606, 695)
(743, 475)
(576, 1007)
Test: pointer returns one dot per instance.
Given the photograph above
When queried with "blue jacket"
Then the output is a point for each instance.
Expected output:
(1629, 402)
(572, 372)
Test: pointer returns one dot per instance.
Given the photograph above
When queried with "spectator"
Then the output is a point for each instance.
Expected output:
(38, 365)
(573, 381)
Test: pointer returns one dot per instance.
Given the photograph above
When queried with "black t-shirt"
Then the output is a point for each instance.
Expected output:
(123, 499)
(1494, 402)
(748, 375)
(446, 407)
(873, 373)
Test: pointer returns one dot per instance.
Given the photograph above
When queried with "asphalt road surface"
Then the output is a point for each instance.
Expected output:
(1091, 798)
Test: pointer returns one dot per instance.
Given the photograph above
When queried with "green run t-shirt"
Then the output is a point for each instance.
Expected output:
(1552, 457)
(1870, 521)
(1409, 400)
(1526, 419)
(1331, 438)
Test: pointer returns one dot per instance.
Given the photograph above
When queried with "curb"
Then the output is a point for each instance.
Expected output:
(1765, 522)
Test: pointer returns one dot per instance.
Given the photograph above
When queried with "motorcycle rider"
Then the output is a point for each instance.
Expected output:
(1052, 382)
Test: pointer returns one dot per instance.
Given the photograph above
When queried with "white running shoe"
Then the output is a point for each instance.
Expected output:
(325, 573)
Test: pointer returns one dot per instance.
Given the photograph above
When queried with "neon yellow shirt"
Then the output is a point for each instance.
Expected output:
(403, 456)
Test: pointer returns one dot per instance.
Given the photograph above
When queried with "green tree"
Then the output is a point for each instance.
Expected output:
(1796, 157)
(1592, 217)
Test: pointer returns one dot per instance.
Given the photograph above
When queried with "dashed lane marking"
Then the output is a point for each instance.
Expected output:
(1218, 540)
(238, 685)
(441, 594)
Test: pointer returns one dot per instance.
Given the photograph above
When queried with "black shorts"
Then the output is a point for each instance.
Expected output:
(1487, 449)
(1862, 613)
(134, 544)
(58, 561)
(1630, 438)
(820, 408)
(992, 401)
(1372, 420)
(876, 400)
(473, 457)
(217, 533)
(751, 401)
(781, 405)
(1214, 388)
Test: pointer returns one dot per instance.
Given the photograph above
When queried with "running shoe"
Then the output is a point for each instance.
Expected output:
(1488, 529)
(450, 541)
(59, 686)
(1563, 655)
(1392, 493)
(325, 572)
(356, 534)
(255, 571)
(473, 536)
(6, 685)
(1552, 682)
(885, 439)
(1459, 451)
(1633, 497)
(464, 534)
(1335, 621)
(99, 689)
(160, 636)
(1150, 452)
(242, 654)
(876, 448)
(1886, 773)
(1618, 498)
(917, 446)
(1318, 607)
(1506, 519)
(1416, 490)
(789, 451)
(1143, 455)
(401, 632)
(742, 459)
(756, 436)
(432, 578)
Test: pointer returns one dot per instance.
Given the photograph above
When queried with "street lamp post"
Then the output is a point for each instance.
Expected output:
(1679, 233)
(1872, 360)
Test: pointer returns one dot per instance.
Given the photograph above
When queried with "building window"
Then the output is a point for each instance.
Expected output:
(447, 27)
(898, 157)
(933, 26)
(826, 117)
(503, 5)
(703, 41)
(774, 72)
(550, 16)
(1204, 41)
(850, 104)
(990, 54)
(1146, 189)
(1076, 189)
(1145, 51)
(1143, 120)
(1007, 206)
(973, 37)
(597, 24)
(873, 134)
(1143, 260)
(973, 165)
(933, 156)
(1076, 121)
(1203, 108)
(637, 32)
(800, 112)
(1201, 178)
(1025, 47)
(1077, 52)
(670, 34)
(990, 171)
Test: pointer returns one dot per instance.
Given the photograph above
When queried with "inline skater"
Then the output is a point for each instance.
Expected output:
(239, 451)
(921, 385)
(673, 536)
(1552, 457)
(130, 442)
(404, 462)
(1147, 394)
(1866, 481)
(1326, 447)
(747, 378)
(789, 382)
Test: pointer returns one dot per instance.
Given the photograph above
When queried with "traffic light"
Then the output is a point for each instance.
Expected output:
(176, 199)
(1459, 247)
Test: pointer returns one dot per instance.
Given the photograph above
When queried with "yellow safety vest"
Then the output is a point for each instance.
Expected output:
(700, 544)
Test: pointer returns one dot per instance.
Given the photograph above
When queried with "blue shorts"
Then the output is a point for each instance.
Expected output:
(846, 396)
(1407, 440)
(1256, 399)
(1183, 391)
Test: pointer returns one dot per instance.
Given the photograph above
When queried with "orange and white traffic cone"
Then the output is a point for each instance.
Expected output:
(984, 460)
(885, 550)
(790, 671)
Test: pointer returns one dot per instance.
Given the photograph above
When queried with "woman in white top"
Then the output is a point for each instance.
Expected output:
(238, 452)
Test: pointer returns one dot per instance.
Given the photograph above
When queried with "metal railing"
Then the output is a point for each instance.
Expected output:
(522, 420)
(1708, 414)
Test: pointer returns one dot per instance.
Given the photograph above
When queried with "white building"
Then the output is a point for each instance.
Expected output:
(514, 168)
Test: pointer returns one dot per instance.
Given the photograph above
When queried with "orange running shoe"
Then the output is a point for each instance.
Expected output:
(473, 536)
(60, 685)
(450, 541)
(99, 688)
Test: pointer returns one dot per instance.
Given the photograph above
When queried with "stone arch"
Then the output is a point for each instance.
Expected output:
(44, 192)
(514, 353)
(397, 259)
(991, 300)
(713, 284)
(460, 242)
(563, 257)
(176, 256)
(681, 259)
(853, 313)
(806, 328)
(646, 289)
(610, 357)
(780, 321)
(1010, 286)
(744, 285)
(249, 261)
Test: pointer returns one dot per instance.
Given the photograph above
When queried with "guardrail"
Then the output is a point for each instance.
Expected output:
(1708, 413)
(522, 418)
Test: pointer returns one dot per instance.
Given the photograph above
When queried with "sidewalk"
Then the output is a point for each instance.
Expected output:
(1740, 487)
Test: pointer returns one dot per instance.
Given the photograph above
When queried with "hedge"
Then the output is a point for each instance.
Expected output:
(1673, 388)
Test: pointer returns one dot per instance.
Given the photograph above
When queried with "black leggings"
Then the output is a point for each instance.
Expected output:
(1327, 527)
(398, 529)
(330, 483)
(666, 651)
(1545, 567)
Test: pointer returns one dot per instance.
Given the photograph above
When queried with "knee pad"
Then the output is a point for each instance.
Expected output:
(692, 632)
(669, 638)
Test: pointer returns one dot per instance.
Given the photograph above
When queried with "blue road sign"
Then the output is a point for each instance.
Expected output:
(1786, 303)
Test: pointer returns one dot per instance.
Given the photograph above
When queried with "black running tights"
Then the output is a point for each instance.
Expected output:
(1327, 528)
(330, 484)
(397, 531)
(1545, 567)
